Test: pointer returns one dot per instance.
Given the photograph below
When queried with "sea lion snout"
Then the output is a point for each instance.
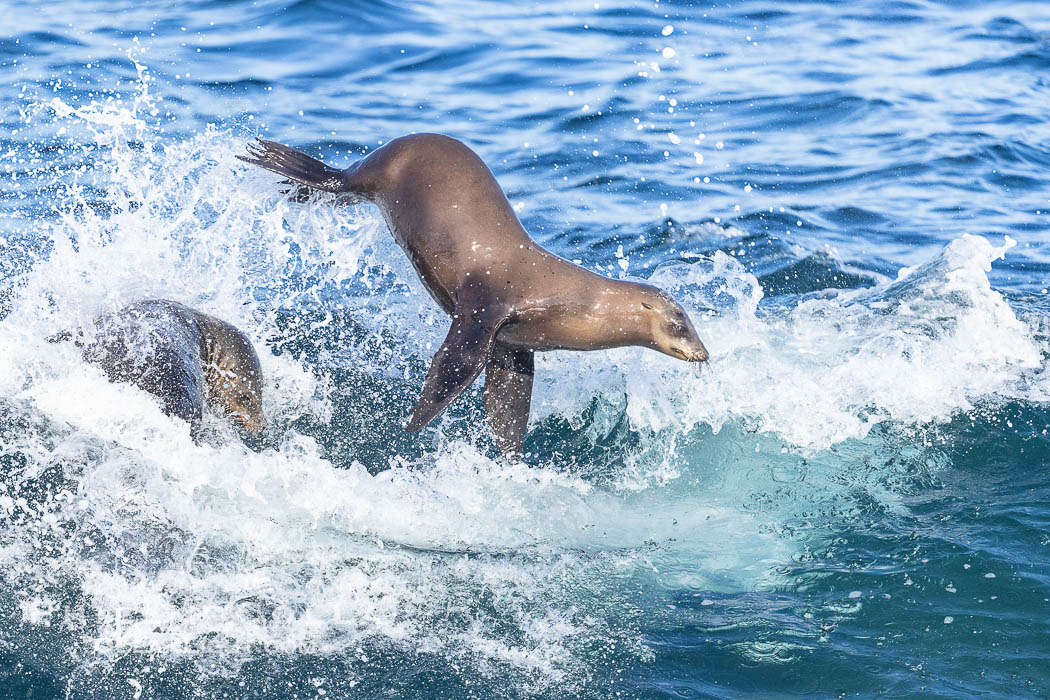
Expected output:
(697, 355)
(672, 332)
(252, 423)
(688, 349)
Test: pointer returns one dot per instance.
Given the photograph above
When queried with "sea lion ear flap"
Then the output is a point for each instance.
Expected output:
(462, 356)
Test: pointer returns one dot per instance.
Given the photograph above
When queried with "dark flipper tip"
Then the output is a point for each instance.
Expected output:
(415, 424)
(295, 165)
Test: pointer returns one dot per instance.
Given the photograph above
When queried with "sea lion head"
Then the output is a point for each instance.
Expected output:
(669, 329)
(233, 373)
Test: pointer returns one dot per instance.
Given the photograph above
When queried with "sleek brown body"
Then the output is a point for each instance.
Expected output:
(507, 295)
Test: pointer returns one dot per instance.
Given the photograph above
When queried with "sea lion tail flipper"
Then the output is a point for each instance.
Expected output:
(295, 165)
(508, 394)
(462, 356)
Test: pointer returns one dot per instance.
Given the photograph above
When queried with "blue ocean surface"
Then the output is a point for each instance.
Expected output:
(852, 498)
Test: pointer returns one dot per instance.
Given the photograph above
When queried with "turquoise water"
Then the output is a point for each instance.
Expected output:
(851, 499)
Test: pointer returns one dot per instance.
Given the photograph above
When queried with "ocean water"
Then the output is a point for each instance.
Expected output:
(852, 499)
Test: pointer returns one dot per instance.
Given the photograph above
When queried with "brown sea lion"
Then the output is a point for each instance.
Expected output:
(183, 357)
(508, 297)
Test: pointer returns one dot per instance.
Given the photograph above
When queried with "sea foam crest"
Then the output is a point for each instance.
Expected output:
(914, 350)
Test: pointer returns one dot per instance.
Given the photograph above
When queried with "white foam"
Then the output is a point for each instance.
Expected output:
(916, 350)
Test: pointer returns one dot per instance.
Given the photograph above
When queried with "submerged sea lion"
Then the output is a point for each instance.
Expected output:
(183, 357)
(508, 297)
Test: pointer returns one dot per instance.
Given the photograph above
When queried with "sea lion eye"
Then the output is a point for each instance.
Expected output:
(647, 306)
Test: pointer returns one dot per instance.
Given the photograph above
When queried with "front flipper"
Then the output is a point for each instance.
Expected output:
(508, 393)
(460, 359)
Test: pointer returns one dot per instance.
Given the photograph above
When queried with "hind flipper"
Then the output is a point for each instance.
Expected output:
(508, 394)
(462, 356)
(296, 166)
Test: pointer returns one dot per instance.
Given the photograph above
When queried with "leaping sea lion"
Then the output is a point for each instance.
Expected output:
(508, 297)
(183, 357)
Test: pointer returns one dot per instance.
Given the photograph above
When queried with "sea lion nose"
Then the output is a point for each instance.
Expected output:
(696, 352)
(692, 350)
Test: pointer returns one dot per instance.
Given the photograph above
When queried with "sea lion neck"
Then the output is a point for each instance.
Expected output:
(212, 361)
(211, 352)
(566, 307)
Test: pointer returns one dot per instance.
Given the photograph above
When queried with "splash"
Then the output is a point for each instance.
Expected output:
(918, 350)
(128, 538)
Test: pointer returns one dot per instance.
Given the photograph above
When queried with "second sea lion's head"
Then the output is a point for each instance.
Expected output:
(233, 373)
(670, 330)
